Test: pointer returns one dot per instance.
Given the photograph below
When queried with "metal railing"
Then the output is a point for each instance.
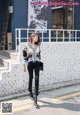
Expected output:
(46, 35)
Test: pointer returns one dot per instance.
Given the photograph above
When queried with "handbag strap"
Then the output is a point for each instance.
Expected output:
(39, 53)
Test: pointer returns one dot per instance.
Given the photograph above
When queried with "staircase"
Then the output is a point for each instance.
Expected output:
(5, 28)
(7, 58)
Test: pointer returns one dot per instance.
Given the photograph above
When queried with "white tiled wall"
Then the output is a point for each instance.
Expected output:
(61, 63)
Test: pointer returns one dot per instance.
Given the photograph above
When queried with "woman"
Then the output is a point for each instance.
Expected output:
(33, 53)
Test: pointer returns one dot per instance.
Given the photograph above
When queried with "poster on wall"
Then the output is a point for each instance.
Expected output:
(37, 14)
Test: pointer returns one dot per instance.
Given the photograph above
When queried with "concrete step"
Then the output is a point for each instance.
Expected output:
(10, 54)
(3, 68)
(6, 58)
(3, 61)
(1, 65)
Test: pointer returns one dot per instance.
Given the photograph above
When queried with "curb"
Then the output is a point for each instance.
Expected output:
(42, 89)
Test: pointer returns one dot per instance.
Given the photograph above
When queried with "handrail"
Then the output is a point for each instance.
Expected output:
(51, 35)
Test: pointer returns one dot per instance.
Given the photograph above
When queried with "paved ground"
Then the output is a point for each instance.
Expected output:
(63, 101)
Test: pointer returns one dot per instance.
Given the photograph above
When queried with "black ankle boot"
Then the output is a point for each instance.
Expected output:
(35, 101)
(31, 95)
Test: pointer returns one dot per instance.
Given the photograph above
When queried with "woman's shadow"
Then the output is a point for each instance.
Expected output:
(65, 105)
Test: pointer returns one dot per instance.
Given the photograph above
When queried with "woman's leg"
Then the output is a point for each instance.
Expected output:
(36, 83)
(30, 71)
(37, 66)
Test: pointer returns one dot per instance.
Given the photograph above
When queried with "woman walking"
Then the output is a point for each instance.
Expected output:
(33, 54)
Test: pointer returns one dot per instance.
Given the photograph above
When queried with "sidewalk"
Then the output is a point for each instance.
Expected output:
(54, 101)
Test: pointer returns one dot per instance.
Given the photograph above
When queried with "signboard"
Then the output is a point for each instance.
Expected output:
(37, 14)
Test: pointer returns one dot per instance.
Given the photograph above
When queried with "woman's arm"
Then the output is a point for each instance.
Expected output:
(29, 51)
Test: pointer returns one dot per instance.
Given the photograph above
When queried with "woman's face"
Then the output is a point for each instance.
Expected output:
(35, 38)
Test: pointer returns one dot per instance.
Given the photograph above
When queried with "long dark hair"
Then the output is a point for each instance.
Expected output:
(33, 35)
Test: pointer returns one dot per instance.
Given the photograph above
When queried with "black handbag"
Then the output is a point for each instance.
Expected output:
(41, 63)
(41, 66)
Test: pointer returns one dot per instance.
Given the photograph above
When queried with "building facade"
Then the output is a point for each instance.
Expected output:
(62, 62)
(26, 14)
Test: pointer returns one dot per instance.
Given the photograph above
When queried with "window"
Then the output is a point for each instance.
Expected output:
(62, 15)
